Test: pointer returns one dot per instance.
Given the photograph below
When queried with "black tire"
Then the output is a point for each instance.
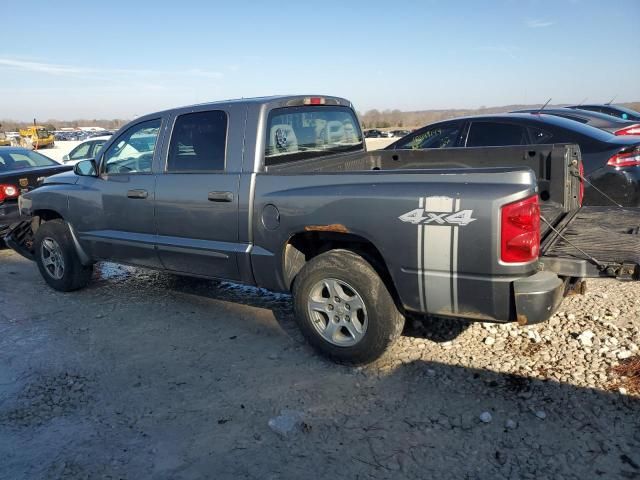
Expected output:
(384, 321)
(74, 275)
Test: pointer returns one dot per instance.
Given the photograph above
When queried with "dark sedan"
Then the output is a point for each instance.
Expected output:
(21, 170)
(611, 124)
(611, 162)
(614, 110)
(373, 133)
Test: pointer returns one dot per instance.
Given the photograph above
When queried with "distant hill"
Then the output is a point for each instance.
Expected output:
(397, 118)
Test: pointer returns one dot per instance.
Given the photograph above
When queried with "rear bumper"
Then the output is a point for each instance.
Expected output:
(537, 297)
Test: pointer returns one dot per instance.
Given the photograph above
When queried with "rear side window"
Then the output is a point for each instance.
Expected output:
(491, 134)
(198, 142)
(443, 136)
(295, 133)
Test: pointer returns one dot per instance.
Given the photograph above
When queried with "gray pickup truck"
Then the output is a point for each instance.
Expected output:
(281, 193)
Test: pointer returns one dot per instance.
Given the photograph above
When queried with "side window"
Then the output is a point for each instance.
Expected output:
(132, 152)
(539, 136)
(81, 151)
(97, 145)
(198, 142)
(443, 136)
(491, 134)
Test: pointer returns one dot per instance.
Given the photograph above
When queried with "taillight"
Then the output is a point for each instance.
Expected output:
(520, 231)
(628, 157)
(631, 130)
(8, 191)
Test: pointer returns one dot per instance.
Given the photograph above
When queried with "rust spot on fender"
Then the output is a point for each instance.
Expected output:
(335, 227)
(522, 319)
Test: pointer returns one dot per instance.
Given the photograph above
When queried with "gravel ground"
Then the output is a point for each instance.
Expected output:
(147, 375)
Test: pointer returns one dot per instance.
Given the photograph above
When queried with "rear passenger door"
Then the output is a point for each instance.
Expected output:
(197, 194)
(496, 134)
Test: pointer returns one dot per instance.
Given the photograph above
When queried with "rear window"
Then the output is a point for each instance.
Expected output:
(295, 133)
(24, 159)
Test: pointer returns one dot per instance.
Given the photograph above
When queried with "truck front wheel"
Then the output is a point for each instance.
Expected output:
(57, 258)
(344, 308)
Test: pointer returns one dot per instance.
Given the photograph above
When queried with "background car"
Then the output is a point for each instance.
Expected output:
(400, 133)
(613, 110)
(373, 133)
(21, 170)
(611, 162)
(614, 125)
(87, 149)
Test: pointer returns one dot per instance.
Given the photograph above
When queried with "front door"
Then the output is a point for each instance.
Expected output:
(197, 198)
(116, 211)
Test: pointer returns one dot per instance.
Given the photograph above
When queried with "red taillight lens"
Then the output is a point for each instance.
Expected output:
(8, 191)
(628, 157)
(520, 231)
(631, 130)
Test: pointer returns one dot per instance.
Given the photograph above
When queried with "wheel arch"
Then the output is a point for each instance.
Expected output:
(304, 246)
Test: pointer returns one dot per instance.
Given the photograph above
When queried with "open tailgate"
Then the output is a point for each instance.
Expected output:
(595, 242)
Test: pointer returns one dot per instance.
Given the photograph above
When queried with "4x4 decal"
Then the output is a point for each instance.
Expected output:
(419, 216)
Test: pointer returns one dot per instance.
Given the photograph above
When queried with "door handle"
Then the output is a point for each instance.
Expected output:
(220, 196)
(137, 193)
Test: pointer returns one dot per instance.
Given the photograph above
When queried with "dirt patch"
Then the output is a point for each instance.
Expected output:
(47, 397)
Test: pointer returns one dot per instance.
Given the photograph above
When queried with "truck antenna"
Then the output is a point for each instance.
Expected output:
(612, 99)
(583, 100)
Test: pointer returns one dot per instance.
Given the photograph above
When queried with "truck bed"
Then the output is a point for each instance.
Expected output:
(552, 165)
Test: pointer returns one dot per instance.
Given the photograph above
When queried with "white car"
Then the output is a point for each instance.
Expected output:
(85, 150)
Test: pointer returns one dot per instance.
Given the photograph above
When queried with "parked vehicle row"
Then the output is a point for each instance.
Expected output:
(281, 193)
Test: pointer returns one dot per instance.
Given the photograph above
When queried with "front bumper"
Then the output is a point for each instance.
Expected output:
(9, 215)
(19, 237)
(537, 297)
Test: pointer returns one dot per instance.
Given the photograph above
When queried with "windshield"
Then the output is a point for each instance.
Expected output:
(295, 133)
(42, 133)
(23, 159)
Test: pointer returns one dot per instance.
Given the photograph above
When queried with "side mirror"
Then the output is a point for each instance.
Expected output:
(86, 168)
(65, 158)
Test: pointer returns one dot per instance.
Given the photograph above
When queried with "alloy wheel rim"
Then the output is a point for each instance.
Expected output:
(52, 258)
(338, 312)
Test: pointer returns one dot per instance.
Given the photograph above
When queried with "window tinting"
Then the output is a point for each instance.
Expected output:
(198, 142)
(443, 136)
(489, 134)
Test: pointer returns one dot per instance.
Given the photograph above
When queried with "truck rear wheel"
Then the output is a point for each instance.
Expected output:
(344, 308)
(57, 258)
